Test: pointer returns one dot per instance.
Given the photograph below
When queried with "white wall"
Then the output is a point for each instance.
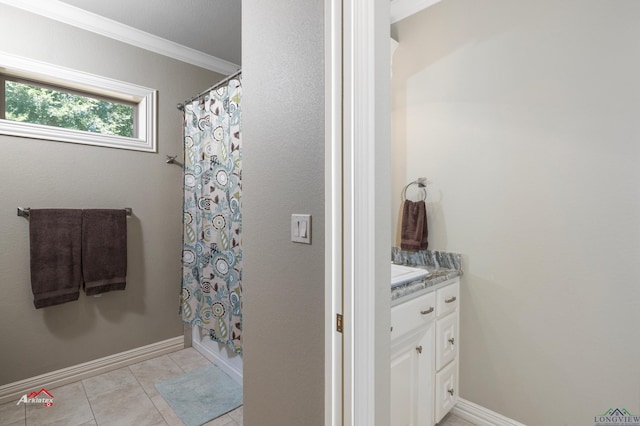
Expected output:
(524, 115)
(283, 158)
(41, 174)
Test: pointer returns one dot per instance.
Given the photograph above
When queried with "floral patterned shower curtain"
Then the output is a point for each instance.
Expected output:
(211, 294)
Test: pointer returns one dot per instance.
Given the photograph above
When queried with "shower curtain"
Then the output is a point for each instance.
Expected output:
(211, 295)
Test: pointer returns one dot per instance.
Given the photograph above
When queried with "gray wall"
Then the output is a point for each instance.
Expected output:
(524, 115)
(283, 282)
(43, 174)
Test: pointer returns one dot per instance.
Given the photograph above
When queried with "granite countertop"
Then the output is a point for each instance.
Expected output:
(442, 267)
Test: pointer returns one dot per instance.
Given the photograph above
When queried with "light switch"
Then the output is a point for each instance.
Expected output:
(301, 228)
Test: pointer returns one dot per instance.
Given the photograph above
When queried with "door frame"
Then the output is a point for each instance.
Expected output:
(334, 399)
(358, 242)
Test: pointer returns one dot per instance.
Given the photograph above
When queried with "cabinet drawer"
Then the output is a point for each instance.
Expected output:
(446, 340)
(446, 390)
(412, 314)
(448, 298)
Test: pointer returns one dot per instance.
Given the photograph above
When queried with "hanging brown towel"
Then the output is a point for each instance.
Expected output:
(104, 250)
(55, 244)
(414, 230)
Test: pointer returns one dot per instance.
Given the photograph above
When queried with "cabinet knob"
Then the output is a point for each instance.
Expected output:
(419, 349)
(450, 392)
(450, 300)
(452, 340)
(427, 312)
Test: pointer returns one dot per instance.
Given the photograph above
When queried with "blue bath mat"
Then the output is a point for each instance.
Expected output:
(201, 395)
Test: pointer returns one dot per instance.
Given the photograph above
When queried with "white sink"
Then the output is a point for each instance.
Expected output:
(401, 274)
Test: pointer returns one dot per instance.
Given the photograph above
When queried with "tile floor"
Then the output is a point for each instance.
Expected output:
(453, 420)
(126, 397)
(121, 397)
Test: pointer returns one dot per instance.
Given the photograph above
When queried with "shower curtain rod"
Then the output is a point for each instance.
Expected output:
(215, 86)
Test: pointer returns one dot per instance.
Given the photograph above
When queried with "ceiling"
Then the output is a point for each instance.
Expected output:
(212, 28)
(401, 9)
(208, 26)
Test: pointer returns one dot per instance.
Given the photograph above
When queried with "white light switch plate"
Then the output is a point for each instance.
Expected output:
(301, 228)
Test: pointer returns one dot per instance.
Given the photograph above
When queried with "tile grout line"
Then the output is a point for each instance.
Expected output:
(179, 366)
(160, 395)
(145, 391)
(161, 415)
(89, 401)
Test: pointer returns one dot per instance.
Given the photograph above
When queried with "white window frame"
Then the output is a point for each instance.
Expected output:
(143, 98)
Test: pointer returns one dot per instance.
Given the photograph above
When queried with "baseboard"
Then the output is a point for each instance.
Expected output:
(13, 391)
(481, 416)
(223, 364)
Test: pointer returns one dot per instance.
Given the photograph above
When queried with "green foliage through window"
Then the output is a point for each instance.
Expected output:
(39, 105)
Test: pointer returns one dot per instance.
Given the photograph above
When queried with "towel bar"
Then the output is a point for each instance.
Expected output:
(24, 211)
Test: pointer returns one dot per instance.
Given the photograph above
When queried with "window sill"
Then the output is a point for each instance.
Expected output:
(37, 131)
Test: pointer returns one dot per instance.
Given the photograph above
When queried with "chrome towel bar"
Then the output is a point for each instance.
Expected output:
(24, 211)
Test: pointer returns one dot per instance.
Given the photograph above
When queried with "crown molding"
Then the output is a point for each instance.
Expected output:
(71, 15)
(401, 9)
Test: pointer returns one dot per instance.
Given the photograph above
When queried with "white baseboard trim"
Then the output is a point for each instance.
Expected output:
(13, 391)
(481, 416)
(234, 372)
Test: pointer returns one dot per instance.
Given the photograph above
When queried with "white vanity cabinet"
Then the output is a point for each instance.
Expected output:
(424, 356)
(446, 365)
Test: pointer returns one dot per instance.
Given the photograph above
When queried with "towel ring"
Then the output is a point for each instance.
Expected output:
(422, 184)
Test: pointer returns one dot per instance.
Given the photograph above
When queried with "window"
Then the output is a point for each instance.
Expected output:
(44, 101)
(28, 102)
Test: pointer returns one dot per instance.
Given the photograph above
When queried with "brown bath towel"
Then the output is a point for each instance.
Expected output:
(104, 250)
(414, 231)
(55, 243)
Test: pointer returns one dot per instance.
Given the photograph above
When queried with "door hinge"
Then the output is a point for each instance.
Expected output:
(339, 326)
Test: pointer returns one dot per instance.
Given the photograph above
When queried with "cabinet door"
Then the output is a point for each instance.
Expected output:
(446, 390)
(412, 380)
(446, 340)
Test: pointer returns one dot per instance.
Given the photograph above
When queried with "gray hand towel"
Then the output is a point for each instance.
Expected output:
(414, 231)
(55, 244)
(104, 250)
